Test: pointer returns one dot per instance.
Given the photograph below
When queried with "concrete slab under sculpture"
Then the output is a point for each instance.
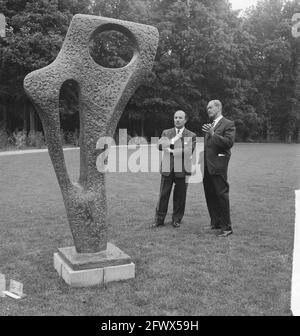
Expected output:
(103, 95)
(89, 269)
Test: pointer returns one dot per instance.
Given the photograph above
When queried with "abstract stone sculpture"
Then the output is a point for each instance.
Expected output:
(103, 94)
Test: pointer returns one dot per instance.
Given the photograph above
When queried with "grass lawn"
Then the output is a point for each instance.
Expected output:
(186, 271)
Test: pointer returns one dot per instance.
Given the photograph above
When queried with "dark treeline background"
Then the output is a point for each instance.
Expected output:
(251, 62)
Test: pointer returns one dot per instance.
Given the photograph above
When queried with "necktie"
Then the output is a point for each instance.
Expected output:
(175, 138)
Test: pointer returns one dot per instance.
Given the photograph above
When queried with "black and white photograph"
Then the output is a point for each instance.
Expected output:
(149, 161)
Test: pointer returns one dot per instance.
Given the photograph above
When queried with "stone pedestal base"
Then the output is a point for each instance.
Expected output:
(90, 269)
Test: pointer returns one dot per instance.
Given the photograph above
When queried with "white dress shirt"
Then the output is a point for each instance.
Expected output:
(179, 132)
(214, 124)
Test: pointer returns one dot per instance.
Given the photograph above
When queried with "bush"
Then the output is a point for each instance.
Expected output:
(39, 140)
(69, 137)
(20, 139)
(76, 137)
(3, 138)
(36, 139)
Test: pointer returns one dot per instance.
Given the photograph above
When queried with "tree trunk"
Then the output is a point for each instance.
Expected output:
(268, 127)
(4, 114)
(32, 119)
(289, 138)
(25, 118)
(143, 126)
(296, 105)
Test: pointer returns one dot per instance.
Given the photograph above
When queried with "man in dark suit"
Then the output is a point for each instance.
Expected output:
(177, 144)
(219, 138)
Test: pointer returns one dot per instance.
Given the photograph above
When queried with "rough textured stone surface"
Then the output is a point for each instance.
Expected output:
(103, 94)
(112, 256)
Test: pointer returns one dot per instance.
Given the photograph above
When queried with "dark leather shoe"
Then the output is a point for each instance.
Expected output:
(176, 224)
(156, 224)
(225, 233)
(214, 228)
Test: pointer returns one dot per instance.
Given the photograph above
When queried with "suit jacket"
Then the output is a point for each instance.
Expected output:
(217, 147)
(181, 161)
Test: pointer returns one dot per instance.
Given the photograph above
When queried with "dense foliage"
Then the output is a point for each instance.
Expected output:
(251, 62)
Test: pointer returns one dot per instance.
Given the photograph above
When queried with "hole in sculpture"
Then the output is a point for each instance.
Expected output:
(112, 48)
(70, 121)
(69, 106)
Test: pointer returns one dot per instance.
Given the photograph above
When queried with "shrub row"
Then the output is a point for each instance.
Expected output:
(20, 139)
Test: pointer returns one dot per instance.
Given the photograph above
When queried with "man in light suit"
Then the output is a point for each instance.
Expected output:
(219, 138)
(177, 143)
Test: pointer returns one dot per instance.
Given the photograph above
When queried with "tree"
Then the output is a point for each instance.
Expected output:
(206, 51)
(203, 54)
(36, 30)
(275, 65)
